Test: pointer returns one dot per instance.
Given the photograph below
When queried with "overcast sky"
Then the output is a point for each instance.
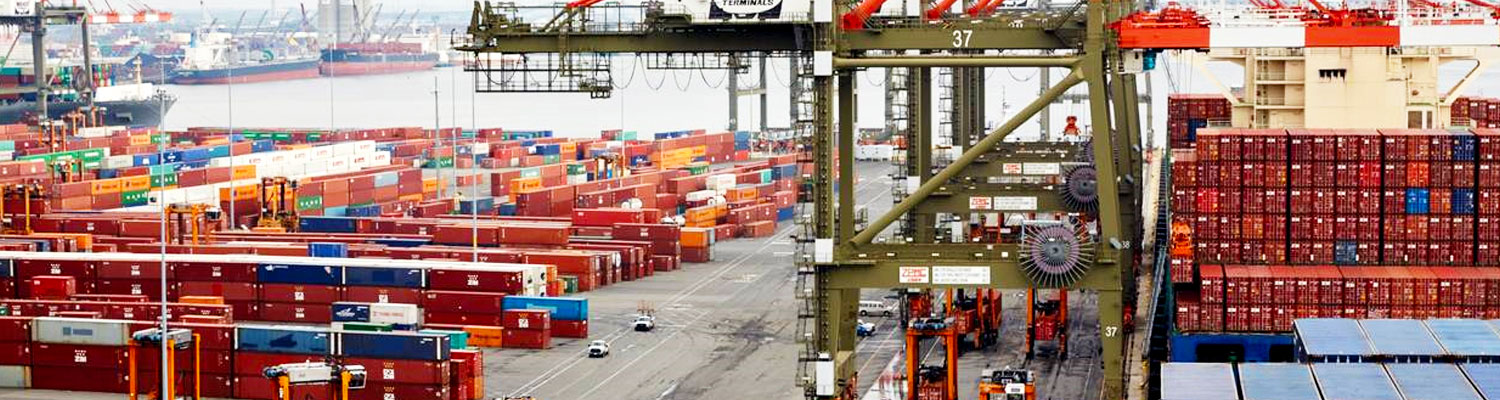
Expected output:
(426, 5)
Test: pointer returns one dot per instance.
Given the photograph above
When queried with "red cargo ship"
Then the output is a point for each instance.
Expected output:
(345, 59)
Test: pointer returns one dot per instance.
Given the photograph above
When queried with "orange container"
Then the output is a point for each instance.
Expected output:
(696, 237)
(201, 300)
(430, 185)
(135, 183)
(243, 172)
(484, 336)
(525, 185)
(107, 186)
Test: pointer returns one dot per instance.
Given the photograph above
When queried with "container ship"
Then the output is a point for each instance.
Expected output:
(122, 102)
(346, 59)
(248, 73)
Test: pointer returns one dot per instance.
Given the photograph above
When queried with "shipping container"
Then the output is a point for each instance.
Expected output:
(562, 308)
(395, 345)
(283, 339)
(96, 332)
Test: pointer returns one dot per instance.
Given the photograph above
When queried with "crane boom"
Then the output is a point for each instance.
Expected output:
(855, 19)
(936, 12)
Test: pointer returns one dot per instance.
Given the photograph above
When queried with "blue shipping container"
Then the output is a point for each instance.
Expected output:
(787, 213)
(218, 151)
(196, 154)
(507, 209)
(141, 160)
(303, 274)
(340, 211)
(396, 345)
(327, 224)
(329, 250)
(1346, 252)
(283, 339)
(262, 145)
(1464, 146)
(371, 210)
(387, 179)
(1463, 201)
(483, 206)
(171, 156)
(392, 242)
(351, 312)
(408, 277)
(1417, 201)
(562, 308)
(457, 340)
(192, 165)
(7, 268)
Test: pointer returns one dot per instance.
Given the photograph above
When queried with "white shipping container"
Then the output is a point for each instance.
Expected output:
(85, 331)
(364, 146)
(113, 162)
(380, 158)
(15, 376)
(343, 148)
(875, 152)
(168, 196)
(700, 195)
(17, 8)
(721, 182)
(322, 152)
(395, 313)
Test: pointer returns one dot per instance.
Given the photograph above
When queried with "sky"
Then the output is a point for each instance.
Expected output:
(428, 5)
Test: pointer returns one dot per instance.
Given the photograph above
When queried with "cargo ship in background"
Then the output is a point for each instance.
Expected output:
(346, 59)
(125, 100)
(216, 58)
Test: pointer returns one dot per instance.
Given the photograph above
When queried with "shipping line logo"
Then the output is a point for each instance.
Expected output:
(744, 9)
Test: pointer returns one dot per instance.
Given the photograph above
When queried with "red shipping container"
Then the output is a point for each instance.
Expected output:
(216, 271)
(296, 312)
(83, 270)
(230, 291)
(211, 361)
(384, 371)
(526, 339)
(131, 270)
(375, 294)
(460, 318)
(49, 287)
(70, 355)
(304, 294)
(570, 329)
(474, 279)
(15, 353)
(140, 287)
(87, 379)
(249, 363)
(697, 255)
(465, 302)
(526, 319)
(400, 392)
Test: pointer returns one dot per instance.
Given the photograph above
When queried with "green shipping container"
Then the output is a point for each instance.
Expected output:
(698, 169)
(570, 284)
(305, 203)
(163, 169)
(457, 340)
(576, 169)
(281, 136)
(440, 162)
(314, 136)
(160, 138)
(531, 172)
(366, 327)
(163, 180)
(252, 135)
(92, 154)
(7, 145)
(552, 158)
(765, 176)
(135, 198)
(627, 135)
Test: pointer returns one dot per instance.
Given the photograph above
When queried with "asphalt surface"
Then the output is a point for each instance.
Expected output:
(725, 329)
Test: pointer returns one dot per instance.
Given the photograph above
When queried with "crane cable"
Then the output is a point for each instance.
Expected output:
(634, 63)
(683, 87)
(703, 74)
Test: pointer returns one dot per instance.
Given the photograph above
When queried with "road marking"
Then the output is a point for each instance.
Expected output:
(668, 392)
(565, 366)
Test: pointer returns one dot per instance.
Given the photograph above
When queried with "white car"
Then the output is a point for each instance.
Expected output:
(598, 348)
(645, 323)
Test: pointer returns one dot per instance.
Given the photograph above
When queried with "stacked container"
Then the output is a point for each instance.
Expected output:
(257, 347)
(569, 316)
(79, 354)
(1187, 113)
(15, 352)
(1312, 174)
(527, 329)
(298, 292)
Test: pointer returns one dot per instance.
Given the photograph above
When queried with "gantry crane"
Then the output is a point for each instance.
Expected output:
(828, 45)
(277, 197)
(193, 223)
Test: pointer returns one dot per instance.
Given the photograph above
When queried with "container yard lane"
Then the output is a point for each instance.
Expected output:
(725, 329)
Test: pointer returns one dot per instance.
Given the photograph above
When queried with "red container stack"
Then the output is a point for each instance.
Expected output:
(527, 329)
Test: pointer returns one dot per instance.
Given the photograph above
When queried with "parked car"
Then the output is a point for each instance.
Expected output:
(645, 323)
(863, 329)
(929, 324)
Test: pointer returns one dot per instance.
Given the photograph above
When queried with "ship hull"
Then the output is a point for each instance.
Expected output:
(375, 58)
(374, 68)
(248, 74)
(116, 113)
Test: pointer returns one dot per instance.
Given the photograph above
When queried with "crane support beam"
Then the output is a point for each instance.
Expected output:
(941, 177)
(954, 61)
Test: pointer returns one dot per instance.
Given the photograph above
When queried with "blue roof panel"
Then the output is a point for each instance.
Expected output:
(1431, 382)
(1466, 337)
(1354, 382)
(1332, 337)
(1277, 381)
(1198, 381)
(1486, 377)
(1400, 337)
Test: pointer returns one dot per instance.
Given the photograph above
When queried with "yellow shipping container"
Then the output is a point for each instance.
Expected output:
(410, 197)
(524, 185)
(430, 185)
(699, 151)
(140, 140)
(107, 186)
(243, 172)
(214, 141)
(135, 183)
(243, 192)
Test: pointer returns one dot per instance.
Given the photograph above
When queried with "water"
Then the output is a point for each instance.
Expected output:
(649, 101)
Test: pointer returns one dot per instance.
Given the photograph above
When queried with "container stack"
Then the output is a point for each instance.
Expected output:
(79, 354)
(1186, 113)
(1356, 224)
(15, 352)
(568, 316)
(398, 365)
(527, 329)
(1476, 112)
